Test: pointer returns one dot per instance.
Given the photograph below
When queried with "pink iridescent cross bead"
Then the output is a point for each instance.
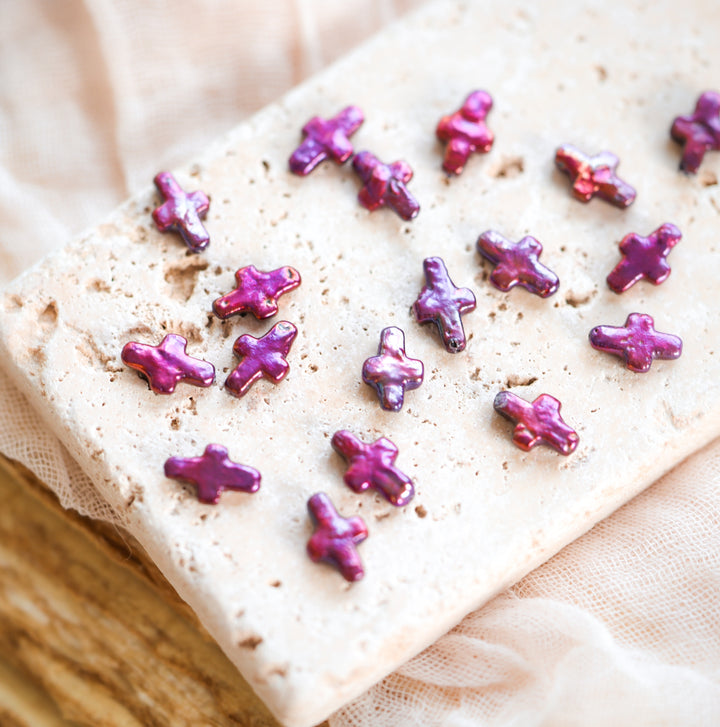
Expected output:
(637, 342)
(391, 372)
(166, 364)
(594, 175)
(326, 139)
(212, 473)
(699, 132)
(257, 292)
(261, 358)
(644, 257)
(182, 212)
(517, 263)
(442, 303)
(384, 185)
(335, 538)
(373, 466)
(466, 132)
(537, 423)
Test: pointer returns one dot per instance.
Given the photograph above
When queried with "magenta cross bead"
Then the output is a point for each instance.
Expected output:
(182, 212)
(442, 303)
(466, 132)
(644, 257)
(326, 139)
(165, 365)
(257, 292)
(699, 132)
(537, 423)
(373, 466)
(384, 184)
(335, 538)
(261, 358)
(212, 473)
(594, 175)
(391, 372)
(637, 342)
(517, 263)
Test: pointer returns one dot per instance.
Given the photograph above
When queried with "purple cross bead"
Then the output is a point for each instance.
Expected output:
(391, 372)
(637, 342)
(373, 466)
(594, 175)
(165, 365)
(466, 132)
(384, 184)
(442, 303)
(182, 212)
(335, 537)
(537, 423)
(261, 358)
(644, 257)
(212, 473)
(257, 292)
(326, 139)
(699, 132)
(517, 263)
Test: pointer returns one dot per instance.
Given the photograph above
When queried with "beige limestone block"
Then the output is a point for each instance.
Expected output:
(609, 76)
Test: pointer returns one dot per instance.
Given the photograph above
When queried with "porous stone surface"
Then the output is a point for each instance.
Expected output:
(609, 76)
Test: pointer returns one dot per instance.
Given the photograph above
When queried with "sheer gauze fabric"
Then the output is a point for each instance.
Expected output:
(620, 628)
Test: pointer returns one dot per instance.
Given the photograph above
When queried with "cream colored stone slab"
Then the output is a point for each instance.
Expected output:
(602, 76)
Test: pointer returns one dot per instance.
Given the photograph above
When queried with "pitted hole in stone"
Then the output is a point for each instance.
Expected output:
(514, 380)
(251, 642)
(601, 72)
(575, 300)
(183, 275)
(14, 301)
(98, 286)
(48, 317)
(189, 331)
(507, 168)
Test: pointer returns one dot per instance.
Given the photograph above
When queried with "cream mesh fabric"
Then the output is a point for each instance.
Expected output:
(621, 628)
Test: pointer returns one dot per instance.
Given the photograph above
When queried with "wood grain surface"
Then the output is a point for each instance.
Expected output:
(87, 622)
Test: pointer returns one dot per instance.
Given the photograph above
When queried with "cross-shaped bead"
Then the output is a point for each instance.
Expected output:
(517, 263)
(335, 537)
(537, 423)
(257, 292)
(261, 358)
(182, 212)
(384, 184)
(373, 466)
(326, 138)
(391, 372)
(166, 364)
(699, 132)
(465, 131)
(442, 303)
(212, 473)
(594, 175)
(644, 257)
(637, 342)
